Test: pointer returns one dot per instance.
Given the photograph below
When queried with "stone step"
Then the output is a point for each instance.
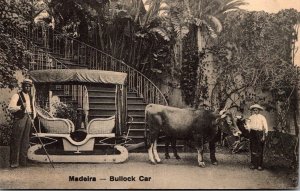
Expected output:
(101, 87)
(112, 105)
(104, 99)
(98, 116)
(104, 111)
(137, 125)
(107, 93)
(71, 65)
(109, 112)
(137, 118)
(130, 100)
(93, 93)
(136, 112)
(135, 100)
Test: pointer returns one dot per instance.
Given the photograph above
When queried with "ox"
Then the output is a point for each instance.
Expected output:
(198, 126)
(237, 143)
(241, 123)
(229, 125)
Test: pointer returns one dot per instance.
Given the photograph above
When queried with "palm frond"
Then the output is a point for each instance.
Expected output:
(162, 32)
(152, 12)
(229, 5)
(217, 23)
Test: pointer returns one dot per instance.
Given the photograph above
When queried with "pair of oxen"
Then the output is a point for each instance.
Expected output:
(197, 126)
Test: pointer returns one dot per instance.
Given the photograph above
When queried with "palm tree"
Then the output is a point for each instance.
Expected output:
(204, 16)
(207, 15)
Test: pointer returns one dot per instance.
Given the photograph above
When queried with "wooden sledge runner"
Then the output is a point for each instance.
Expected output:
(116, 158)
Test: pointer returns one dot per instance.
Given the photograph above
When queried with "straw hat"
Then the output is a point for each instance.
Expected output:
(27, 81)
(256, 106)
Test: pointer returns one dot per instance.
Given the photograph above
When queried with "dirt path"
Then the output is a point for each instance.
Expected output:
(231, 173)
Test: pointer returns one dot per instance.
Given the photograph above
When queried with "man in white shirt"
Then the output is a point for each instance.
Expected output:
(22, 107)
(258, 127)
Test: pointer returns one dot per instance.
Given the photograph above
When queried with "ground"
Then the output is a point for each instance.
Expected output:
(231, 173)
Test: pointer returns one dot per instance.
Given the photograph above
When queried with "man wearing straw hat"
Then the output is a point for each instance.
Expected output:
(258, 127)
(22, 107)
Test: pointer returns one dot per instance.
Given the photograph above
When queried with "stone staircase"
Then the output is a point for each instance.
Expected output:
(52, 50)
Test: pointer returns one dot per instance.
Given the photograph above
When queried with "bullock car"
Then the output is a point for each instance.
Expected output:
(99, 140)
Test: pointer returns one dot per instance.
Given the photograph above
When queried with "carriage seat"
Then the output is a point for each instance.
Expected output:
(101, 125)
(54, 125)
(96, 127)
(64, 128)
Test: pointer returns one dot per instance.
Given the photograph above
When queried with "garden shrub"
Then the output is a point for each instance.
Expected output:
(5, 129)
(282, 146)
(66, 111)
(5, 134)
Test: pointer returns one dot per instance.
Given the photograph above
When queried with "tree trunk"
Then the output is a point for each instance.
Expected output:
(200, 40)
(178, 53)
(297, 106)
(201, 44)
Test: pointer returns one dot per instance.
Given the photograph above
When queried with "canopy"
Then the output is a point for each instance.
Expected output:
(78, 75)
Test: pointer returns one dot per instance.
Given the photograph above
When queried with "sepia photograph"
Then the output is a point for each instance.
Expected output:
(149, 94)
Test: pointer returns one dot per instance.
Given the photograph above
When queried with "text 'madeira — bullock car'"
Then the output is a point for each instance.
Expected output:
(79, 144)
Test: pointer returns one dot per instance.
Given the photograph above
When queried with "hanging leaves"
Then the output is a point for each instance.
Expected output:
(263, 47)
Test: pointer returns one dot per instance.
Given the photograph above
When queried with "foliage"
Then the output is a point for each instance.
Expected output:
(282, 146)
(189, 71)
(75, 17)
(5, 129)
(141, 38)
(5, 134)
(13, 55)
(121, 28)
(256, 50)
(195, 23)
(66, 111)
(7, 114)
(205, 14)
(142, 41)
(17, 13)
(190, 64)
(263, 49)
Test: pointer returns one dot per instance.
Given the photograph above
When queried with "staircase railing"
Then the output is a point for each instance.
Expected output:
(39, 58)
(65, 49)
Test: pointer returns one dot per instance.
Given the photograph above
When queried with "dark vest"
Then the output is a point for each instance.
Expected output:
(21, 113)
